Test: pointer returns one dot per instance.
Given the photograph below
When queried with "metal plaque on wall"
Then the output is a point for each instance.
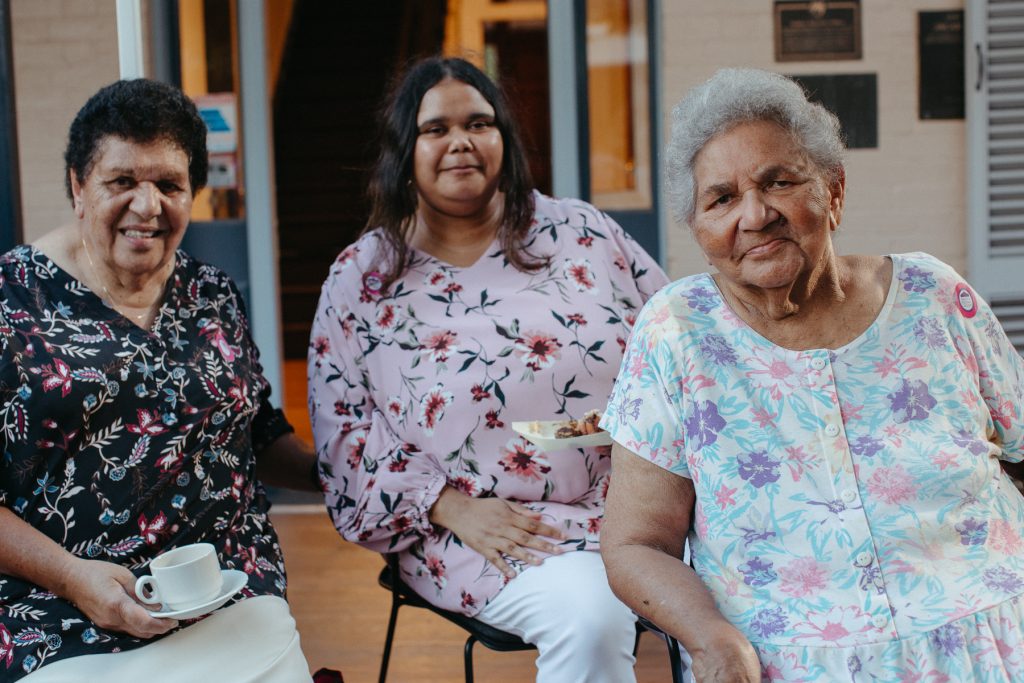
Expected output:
(808, 30)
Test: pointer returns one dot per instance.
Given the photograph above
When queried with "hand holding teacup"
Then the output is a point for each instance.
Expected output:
(182, 578)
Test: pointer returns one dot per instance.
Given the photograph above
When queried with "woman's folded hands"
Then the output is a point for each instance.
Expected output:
(495, 528)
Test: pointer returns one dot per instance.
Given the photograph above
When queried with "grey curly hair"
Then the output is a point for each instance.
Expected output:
(734, 96)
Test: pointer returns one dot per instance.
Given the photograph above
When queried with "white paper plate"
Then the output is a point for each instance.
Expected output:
(544, 436)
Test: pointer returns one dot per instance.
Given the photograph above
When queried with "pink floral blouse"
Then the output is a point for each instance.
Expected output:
(416, 387)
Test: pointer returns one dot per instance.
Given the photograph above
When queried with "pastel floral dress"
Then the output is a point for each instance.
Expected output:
(119, 443)
(416, 387)
(852, 519)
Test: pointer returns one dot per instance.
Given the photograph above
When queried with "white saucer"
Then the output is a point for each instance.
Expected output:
(234, 581)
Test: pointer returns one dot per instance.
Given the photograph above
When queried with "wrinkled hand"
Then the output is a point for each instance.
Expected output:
(105, 592)
(494, 528)
(726, 657)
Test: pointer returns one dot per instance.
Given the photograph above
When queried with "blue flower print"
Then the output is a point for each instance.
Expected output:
(1003, 580)
(972, 532)
(716, 349)
(89, 636)
(701, 299)
(759, 468)
(757, 572)
(865, 446)
(703, 426)
(911, 401)
(29, 663)
(917, 280)
(769, 622)
(948, 639)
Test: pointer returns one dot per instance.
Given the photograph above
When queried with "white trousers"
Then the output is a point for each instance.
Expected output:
(253, 641)
(564, 606)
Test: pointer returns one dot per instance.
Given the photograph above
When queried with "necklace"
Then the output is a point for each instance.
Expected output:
(108, 297)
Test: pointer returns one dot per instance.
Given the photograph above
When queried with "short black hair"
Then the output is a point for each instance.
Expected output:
(137, 110)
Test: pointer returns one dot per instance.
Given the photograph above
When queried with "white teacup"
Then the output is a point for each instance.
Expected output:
(181, 578)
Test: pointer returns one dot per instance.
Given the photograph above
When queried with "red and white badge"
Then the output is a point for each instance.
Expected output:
(965, 301)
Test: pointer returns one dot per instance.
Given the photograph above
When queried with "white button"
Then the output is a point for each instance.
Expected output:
(880, 621)
(864, 559)
(818, 363)
(832, 429)
(849, 495)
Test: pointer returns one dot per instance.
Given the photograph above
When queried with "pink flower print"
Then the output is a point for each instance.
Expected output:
(833, 627)
(537, 350)
(464, 484)
(801, 577)
(479, 393)
(594, 526)
(892, 485)
(147, 425)
(252, 561)
(637, 365)
(621, 342)
(152, 530)
(6, 646)
(400, 524)
(522, 460)
(579, 273)
(784, 666)
(799, 461)
(395, 407)
(212, 331)
(585, 241)
(440, 344)
(452, 288)
(432, 407)
(620, 262)
(437, 278)
(355, 452)
(492, 420)
(468, 600)
(724, 497)
(1004, 538)
(321, 346)
(775, 375)
(386, 317)
(438, 572)
(57, 376)
(577, 318)
(763, 418)
(346, 257)
(348, 326)
(944, 459)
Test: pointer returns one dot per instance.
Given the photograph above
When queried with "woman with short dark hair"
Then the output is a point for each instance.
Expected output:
(135, 418)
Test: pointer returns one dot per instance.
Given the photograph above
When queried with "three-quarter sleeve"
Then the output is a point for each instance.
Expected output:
(378, 490)
(1000, 374)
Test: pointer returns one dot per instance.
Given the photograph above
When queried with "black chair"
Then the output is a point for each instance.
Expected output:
(401, 594)
(674, 657)
(391, 579)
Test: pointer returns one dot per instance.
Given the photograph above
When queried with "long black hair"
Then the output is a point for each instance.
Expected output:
(393, 196)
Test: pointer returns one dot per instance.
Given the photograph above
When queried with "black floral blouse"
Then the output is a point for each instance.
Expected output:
(120, 443)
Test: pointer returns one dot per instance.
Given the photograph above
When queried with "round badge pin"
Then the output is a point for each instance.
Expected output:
(965, 301)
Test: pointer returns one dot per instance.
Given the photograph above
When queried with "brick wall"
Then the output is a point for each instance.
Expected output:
(64, 50)
(909, 194)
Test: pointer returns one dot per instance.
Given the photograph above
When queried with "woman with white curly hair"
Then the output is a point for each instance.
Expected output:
(825, 430)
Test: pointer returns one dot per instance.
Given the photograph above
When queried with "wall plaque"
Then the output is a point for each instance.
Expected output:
(853, 98)
(940, 54)
(808, 30)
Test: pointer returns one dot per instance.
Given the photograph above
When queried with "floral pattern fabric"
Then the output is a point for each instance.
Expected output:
(119, 443)
(851, 519)
(416, 387)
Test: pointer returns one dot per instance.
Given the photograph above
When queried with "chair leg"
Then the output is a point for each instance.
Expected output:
(675, 660)
(386, 656)
(467, 655)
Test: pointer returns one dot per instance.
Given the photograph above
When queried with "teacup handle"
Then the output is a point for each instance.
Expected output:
(147, 584)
